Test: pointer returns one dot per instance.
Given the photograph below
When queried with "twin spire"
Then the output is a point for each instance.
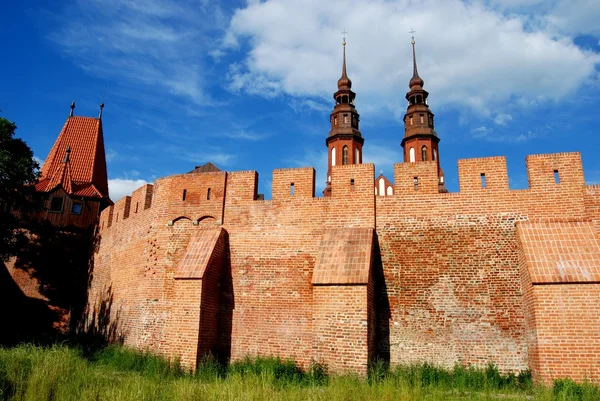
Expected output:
(345, 83)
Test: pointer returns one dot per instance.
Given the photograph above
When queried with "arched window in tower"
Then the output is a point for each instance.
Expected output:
(411, 154)
(335, 120)
(345, 155)
(411, 120)
(356, 158)
(381, 187)
(422, 118)
(424, 153)
(434, 155)
(333, 157)
(345, 118)
(390, 191)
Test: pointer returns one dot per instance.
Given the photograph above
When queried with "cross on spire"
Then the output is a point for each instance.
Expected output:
(412, 33)
(344, 37)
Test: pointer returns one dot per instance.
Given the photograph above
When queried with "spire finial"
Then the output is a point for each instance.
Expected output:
(344, 81)
(67, 155)
(101, 107)
(416, 79)
(72, 109)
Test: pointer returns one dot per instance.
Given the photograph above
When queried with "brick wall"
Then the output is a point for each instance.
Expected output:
(451, 277)
(562, 284)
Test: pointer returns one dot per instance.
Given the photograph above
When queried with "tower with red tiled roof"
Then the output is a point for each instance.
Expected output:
(420, 140)
(345, 141)
(73, 177)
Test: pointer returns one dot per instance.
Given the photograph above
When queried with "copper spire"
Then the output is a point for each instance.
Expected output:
(416, 79)
(344, 82)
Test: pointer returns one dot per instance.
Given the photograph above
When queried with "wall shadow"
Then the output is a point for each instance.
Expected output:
(226, 307)
(382, 308)
(46, 295)
(25, 319)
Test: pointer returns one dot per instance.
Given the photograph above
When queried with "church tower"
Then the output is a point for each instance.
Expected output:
(420, 140)
(345, 141)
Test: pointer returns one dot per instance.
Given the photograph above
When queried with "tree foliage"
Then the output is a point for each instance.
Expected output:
(18, 173)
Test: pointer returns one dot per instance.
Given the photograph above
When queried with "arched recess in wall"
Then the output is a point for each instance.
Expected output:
(356, 156)
(412, 155)
(390, 191)
(345, 155)
(180, 219)
(424, 153)
(206, 219)
(333, 157)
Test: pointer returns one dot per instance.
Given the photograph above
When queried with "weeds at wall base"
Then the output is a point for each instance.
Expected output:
(29, 372)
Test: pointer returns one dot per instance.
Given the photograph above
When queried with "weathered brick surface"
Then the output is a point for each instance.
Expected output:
(451, 281)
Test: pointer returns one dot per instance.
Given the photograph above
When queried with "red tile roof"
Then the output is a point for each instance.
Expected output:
(85, 174)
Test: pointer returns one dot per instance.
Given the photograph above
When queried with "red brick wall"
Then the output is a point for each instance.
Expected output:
(568, 331)
(451, 264)
(346, 347)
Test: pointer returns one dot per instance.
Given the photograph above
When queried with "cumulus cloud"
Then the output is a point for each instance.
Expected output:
(120, 187)
(472, 55)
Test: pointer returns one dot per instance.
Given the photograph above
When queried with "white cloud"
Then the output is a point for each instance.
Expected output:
(120, 187)
(160, 44)
(39, 161)
(502, 118)
(565, 16)
(471, 55)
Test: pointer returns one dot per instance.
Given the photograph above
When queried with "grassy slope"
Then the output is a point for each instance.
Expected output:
(61, 373)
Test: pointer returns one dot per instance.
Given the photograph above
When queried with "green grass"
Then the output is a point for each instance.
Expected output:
(61, 373)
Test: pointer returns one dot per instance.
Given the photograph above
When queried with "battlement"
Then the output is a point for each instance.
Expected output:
(294, 182)
(195, 196)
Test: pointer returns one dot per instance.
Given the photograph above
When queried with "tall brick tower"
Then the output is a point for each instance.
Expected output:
(345, 141)
(420, 140)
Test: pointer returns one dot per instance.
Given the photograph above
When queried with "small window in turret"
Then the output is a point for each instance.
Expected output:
(345, 118)
(335, 120)
(411, 120)
(422, 118)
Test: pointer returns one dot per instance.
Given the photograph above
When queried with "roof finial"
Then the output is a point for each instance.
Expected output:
(67, 155)
(101, 107)
(72, 108)
(416, 79)
(344, 81)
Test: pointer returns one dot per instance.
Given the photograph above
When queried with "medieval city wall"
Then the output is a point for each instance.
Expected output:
(445, 281)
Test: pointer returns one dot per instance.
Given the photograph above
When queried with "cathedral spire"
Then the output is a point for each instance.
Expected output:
(344, 140)
(420, 140)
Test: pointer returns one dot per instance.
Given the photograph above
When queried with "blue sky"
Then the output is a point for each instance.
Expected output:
(248, 85)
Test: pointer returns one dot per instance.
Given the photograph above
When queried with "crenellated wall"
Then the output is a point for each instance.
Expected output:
(445, 280)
